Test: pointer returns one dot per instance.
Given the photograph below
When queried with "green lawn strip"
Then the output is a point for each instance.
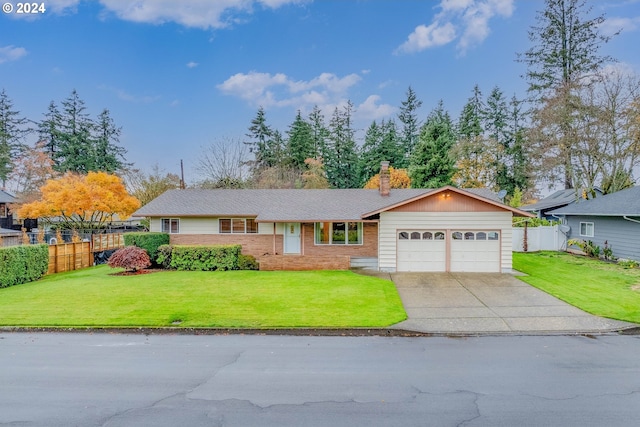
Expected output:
(225, 299)
(597, 287)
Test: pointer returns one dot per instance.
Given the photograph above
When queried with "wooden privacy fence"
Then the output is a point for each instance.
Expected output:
(69, 256)
(74, 256)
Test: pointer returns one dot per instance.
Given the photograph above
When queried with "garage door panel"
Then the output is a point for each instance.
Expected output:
(417, 250)
(471, 255)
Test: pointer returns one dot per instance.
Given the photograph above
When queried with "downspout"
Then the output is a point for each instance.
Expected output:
(630, 219)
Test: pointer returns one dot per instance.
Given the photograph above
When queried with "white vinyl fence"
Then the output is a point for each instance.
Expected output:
(548, 238)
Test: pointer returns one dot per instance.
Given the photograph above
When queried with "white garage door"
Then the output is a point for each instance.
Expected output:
(422, 250)
(477, 251)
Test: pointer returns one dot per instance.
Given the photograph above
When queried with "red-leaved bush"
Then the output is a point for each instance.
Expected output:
(131, 258)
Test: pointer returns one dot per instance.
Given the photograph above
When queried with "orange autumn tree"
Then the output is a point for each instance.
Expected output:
(399, 178)
(82, 201)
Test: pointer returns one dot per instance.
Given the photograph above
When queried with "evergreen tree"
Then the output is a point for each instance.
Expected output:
(474, 153)
(381, 143)
(49, 130)
(12, 132)
(75, 149)
(410, 128)
(300, 145)
(431, 164)
(564, 57)
(109, 156)
(319, 132)
(260, 135)
(519, 174)
(341, 158)
(495, 124)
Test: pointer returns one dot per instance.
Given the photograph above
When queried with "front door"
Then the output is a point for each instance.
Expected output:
(292, 238)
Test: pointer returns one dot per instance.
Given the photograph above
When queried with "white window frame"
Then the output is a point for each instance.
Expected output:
(587, 226)
(171, 220)
(231, 231)
(346, 243)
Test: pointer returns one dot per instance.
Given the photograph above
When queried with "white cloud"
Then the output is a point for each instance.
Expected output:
(204, 14)
(371, 109)
(464, 20)
(424, 37)
(11, 53)
(612, 25)
(192, 64)
(280, 90)
(327, 91)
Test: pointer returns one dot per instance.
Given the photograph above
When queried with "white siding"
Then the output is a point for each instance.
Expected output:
(209, 226)
(390, 222)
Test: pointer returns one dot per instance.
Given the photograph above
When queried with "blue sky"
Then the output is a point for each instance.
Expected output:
(179, 75)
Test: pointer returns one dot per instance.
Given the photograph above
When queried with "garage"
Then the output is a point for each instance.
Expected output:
(475, 251)
(422, 250)
(446, 250)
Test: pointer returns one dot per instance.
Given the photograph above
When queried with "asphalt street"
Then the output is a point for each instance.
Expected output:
(76, 379)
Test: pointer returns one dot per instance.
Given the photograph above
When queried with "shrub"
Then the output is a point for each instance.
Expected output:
(22, 264)
(588, 247)
(532, 222)
(131, 258)
(628, 263)
(147, 241)
(247, 262)
(205, 258)
(164, 256)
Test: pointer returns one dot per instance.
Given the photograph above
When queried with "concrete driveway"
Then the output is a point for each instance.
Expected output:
(489, 303)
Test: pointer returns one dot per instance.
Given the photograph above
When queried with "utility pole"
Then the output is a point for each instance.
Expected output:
(182, 186)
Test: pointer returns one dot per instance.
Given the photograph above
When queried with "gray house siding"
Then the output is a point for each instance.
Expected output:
(621, 235)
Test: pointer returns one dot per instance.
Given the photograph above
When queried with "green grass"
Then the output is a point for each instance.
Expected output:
(597, 287)
(226, 299)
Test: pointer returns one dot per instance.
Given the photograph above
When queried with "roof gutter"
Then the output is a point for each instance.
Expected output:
(630, 219)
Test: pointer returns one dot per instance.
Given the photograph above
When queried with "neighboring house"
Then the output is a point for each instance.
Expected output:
(559, 199)
(10, 237)
(613, 218)
(445, 229)
(6, 218)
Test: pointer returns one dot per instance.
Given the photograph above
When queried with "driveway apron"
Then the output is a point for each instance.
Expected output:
(475, 303)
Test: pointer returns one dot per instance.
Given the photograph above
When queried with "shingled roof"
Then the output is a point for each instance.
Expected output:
(282, 205)
(6, 197)
(621, 203)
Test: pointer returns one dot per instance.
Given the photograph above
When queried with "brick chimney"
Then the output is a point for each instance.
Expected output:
(385, 179)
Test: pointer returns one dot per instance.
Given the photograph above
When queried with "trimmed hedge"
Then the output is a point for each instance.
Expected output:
(22, 264)
(205, 258)
(147, 241)
(248, 262)
(164, 256)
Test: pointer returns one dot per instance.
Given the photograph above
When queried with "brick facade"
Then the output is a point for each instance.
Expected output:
(252, 244)
(300, 262)
(369, 247)
(262, 244)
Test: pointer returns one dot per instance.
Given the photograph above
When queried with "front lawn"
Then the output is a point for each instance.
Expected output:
(225, 299)
(597, 287)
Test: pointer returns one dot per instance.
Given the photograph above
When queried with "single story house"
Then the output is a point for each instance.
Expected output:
(6, 218)
(556, 200)
(613, 218)
(444, 229)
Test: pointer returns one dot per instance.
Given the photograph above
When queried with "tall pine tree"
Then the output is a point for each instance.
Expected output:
(431, 164)
(12, 132)
(410, 125)
(564, 57)
(341, 158)
(381, 143)
(109, 156)
(300, 144)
